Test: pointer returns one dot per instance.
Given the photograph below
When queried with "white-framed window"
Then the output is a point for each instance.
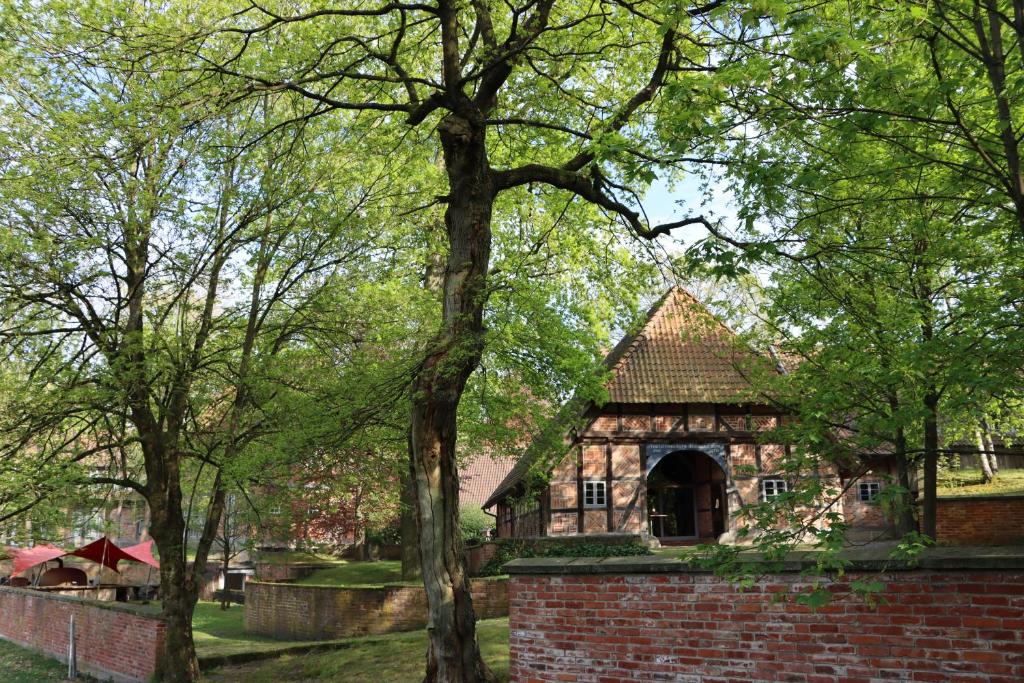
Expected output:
(770, 488)
(869, 490)
(275, 510)
(595, 495)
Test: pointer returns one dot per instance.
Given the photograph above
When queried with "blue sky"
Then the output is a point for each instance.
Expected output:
(665, 203)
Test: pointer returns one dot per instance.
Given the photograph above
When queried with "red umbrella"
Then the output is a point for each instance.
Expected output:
(26, 558)
(104, 552)
(143, 552)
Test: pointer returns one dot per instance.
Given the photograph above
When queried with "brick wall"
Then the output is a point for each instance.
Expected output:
(980, 520)
(477, 556)
(113, 641)
(294, 612)
(660, 623)
(273, 572)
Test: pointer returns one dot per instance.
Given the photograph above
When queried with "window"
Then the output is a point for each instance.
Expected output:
(594, 494)
(275, 510)
(770, 488)
(869, 491)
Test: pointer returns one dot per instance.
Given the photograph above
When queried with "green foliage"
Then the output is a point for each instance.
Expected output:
(474, 524)
(911, 546)
(874, 201)
(387, 534)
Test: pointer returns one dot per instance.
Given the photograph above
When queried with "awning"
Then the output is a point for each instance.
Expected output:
(104, 552)
(26, 558)
(143, 552)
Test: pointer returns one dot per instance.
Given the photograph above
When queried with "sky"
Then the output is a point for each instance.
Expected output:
(686, 198)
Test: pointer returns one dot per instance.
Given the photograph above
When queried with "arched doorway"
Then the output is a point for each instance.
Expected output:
(686, 497)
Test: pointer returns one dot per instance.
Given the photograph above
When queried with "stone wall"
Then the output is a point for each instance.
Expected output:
(298, 612)
(980, 520)
(113, 641)
(630, 619)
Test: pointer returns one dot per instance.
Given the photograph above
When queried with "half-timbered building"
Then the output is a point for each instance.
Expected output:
(678, 446)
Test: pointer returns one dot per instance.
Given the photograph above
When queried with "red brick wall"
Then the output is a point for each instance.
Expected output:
(296, 612)
(991, 520)
(273, 572)
(478, 555)
(937, 626)
(112, 641)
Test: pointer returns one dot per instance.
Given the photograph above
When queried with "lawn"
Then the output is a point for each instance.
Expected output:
(293, 557)
(24, 666)
(352, 573)
(396, 657)
(965, 483)
(220, 632)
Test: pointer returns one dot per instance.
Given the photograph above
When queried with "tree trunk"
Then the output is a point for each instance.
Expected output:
(410, 539)
(931, 463)
(453, 653)
(990, 446)
(225, 600)
(905, 522)
(983, 457)
(177, 662)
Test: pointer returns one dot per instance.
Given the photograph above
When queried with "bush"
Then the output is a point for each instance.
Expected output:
(514, 549)
(390, 534)
(474, 524)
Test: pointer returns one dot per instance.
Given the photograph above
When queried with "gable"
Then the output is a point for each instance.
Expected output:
(682, 354)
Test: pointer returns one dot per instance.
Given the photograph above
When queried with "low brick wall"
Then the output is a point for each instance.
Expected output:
(294, 612)
(275, 572)
(113, 641)
(980, 520)
(958, 620)
(477, 556)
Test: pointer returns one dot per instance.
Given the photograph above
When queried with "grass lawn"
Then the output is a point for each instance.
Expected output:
(293, 557)
(19, 665)
(352, 573)
(397, 657)
(965, 483)
(220, 632)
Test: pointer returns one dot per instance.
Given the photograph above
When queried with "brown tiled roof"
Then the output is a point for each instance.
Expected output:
(480, 475)
(683, 354)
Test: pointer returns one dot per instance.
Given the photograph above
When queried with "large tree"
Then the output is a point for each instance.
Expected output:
(521, 99)
(158, 278)
(883, 196)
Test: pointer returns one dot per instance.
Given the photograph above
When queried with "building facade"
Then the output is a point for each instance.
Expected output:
(678, 448)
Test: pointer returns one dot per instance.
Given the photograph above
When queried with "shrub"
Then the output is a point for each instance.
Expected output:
(474, 524)
(389, 534)
(514, 549)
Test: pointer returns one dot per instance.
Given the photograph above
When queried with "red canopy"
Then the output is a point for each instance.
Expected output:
(104, 552)
(26, 558)
(143, 552)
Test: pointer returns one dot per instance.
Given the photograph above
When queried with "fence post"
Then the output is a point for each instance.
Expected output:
(72, 664)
